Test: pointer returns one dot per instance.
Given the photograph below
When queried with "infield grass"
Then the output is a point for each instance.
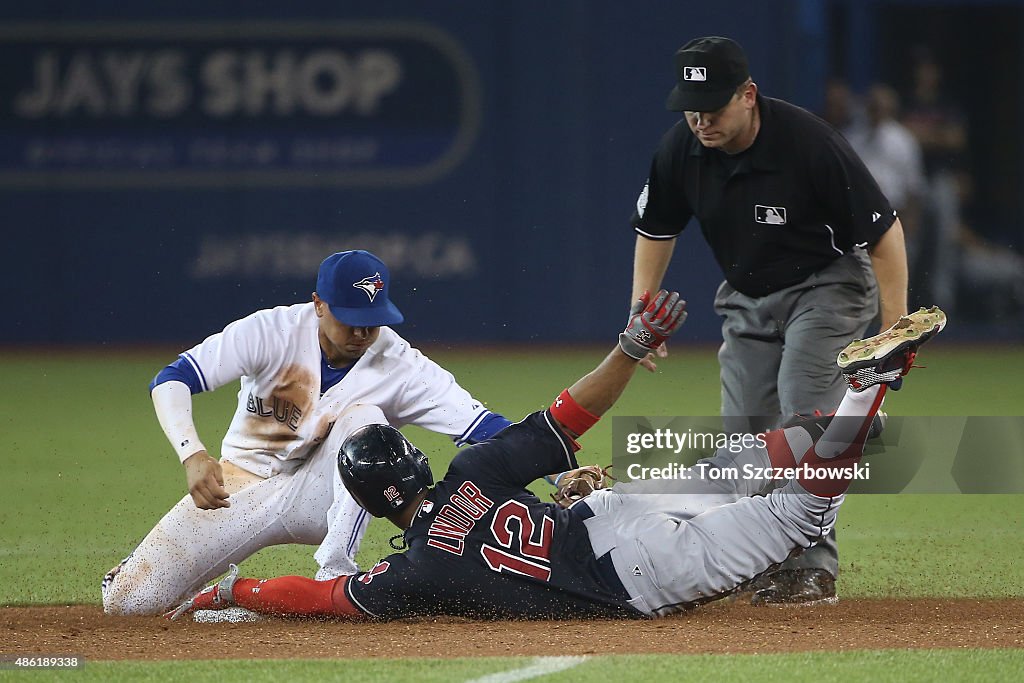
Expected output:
(902, 666)
(88, 471)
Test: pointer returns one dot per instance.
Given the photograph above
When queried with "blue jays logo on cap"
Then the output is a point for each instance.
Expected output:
(371, 285)
(344, 279)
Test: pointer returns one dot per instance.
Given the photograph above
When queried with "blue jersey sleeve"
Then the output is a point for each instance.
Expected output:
(183, 370)
(485, 428)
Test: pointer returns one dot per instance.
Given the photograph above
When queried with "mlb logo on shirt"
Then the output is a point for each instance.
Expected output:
(695, 73)
(770, 215)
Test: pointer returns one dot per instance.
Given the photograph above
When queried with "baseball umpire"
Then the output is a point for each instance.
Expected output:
(311, 374)
(802, 234)
(480, 544)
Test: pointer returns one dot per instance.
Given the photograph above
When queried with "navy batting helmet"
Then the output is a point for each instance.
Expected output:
(382, 470)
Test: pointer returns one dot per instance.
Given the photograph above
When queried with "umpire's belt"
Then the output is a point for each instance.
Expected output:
(605, 568)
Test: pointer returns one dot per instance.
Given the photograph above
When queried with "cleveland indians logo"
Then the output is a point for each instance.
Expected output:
(378, 568)
(371, 285)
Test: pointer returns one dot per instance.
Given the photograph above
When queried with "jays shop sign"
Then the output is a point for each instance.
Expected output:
(252, 104)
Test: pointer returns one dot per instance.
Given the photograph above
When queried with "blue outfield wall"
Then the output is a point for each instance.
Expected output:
(168, 168)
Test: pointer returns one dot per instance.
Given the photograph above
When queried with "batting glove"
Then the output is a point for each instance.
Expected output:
(217, 596)
(651, 323)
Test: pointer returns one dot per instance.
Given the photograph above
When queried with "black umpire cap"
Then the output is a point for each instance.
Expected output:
(708, 71)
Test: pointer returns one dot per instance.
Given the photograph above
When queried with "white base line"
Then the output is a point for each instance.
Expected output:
(541, 666)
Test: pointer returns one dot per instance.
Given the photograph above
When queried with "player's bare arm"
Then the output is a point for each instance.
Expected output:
(650, 261)
(653, 320)
(889, 261)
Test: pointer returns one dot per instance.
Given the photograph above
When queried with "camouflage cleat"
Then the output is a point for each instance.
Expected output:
(889, 355)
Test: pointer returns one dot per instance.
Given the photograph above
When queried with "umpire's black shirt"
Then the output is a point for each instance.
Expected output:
(774, 214)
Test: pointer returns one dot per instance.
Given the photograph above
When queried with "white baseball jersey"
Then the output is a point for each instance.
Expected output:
(283, 426)
(281, 416)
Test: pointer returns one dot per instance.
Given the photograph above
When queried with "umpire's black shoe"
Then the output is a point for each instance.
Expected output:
(805, 587)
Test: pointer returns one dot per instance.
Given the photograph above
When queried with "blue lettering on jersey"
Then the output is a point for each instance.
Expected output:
(285, 412)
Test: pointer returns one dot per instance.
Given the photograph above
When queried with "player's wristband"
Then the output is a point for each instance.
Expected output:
(572, 415)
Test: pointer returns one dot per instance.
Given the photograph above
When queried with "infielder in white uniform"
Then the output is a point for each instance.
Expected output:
(310, 375)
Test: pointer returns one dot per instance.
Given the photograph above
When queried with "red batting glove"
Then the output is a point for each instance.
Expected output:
(651, 323)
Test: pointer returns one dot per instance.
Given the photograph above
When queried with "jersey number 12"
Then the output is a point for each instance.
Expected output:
(529, 557)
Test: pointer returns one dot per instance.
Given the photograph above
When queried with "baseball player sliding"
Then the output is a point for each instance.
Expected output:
(311, 374)
(480, 544)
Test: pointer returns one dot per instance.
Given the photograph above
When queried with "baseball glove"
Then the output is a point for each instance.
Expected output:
(579, 483)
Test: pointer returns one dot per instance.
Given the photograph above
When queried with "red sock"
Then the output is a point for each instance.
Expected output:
(831, 485)
(781, 455)
(779, 452)
(294, 596)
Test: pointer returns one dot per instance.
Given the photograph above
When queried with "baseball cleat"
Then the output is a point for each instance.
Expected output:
(109, 577)
(221, 591)
(803, 587)
(889, 355)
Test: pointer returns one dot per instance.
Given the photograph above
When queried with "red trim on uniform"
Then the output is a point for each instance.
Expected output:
(779, 451)
(295, 596)
(572, 415)
(835, 486)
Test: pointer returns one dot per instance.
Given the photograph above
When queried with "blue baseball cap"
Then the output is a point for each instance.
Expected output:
(354, 285)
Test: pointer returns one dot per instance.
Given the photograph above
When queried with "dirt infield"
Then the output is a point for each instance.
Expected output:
(723, 628)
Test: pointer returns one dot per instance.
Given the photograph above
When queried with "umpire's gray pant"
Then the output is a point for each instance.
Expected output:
(778, 355)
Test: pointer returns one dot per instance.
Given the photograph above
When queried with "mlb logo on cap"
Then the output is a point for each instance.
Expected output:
(695, 73)
(355, 285)
(708, 71)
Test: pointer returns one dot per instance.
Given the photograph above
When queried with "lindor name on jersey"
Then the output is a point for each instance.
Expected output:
(457, 517)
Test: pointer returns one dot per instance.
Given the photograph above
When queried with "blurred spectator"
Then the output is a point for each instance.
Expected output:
(966, 266)
(841, 110)
(892, 154)
(949, 260)
(939, 125)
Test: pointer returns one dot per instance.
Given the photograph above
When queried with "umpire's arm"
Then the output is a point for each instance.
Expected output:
(654, 319)
(650, 261)
(889, 261)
